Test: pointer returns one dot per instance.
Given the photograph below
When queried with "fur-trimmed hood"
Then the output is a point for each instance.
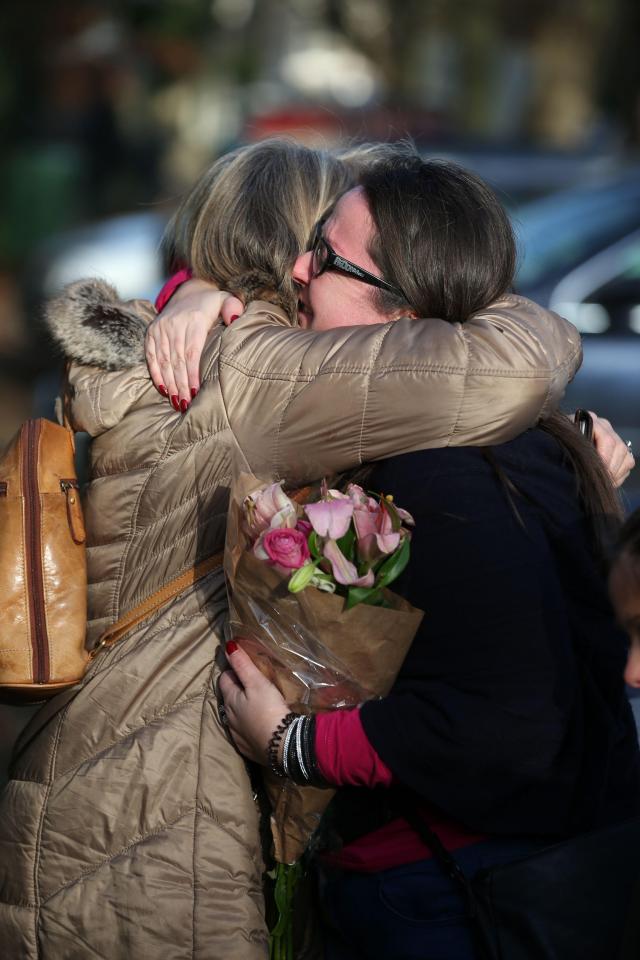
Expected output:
(93, 326)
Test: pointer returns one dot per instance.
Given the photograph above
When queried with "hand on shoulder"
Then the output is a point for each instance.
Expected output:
(175, 339)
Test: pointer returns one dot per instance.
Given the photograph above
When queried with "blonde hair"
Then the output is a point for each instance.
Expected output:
(251, 214)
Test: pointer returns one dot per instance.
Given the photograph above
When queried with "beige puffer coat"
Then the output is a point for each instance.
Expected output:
(129, 830)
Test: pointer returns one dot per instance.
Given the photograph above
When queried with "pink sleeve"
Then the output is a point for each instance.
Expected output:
(344, 754)
(171, 286)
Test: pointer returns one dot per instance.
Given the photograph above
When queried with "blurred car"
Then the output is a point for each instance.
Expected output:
(580, 256)
(520, 173)
(123, 250)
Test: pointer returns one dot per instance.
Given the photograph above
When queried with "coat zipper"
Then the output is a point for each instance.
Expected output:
(35, 580)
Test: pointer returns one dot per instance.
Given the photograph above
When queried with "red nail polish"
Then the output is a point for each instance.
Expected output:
(234, 317)
(231, 647)
(175, 403)
(184, 405)
(194, 392)
(163, 390)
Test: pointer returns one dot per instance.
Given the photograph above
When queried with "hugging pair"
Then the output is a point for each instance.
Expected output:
(129, 826)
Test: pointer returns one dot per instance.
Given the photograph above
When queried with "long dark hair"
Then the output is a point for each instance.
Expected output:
(444, 239)
(442, 236)
(595, 488)
(599, 498)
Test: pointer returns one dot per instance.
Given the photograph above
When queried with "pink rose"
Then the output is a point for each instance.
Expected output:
(286, 547)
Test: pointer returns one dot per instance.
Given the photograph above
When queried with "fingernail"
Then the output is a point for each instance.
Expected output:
(194, 392)
(184, 405)
(163, 390)
(175, 403)
(234, 317)
(231, 647)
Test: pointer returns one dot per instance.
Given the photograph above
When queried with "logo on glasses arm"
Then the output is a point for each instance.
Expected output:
(347, 267)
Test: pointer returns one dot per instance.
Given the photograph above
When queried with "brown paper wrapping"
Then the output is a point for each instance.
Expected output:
(319, 655)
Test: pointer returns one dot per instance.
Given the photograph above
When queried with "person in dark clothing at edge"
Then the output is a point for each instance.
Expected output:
(624, 590)
(508, 723)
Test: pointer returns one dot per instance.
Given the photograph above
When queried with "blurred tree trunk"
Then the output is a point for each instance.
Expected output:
(619, 89)
(389, 34)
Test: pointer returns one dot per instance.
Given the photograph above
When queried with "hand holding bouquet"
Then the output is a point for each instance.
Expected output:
(309, 600)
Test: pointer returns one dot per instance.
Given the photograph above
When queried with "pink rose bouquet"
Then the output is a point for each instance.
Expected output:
(308, 579)
(353, 543)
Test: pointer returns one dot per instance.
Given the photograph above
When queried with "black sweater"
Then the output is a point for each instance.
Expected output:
(509, 713)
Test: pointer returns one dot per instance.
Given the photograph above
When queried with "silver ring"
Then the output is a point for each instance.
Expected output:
(629, 446)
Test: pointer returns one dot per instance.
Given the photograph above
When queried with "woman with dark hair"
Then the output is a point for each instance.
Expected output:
(508, 727)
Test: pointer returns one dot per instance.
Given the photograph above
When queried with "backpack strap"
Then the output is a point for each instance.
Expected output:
(158, 599)
(405, 807)
(66, 393)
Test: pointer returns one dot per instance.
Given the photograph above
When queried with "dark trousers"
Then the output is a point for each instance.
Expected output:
(413, 912)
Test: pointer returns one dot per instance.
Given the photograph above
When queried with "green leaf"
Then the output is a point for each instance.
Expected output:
(347, 544)
(370, 595)
(393, 566)
(377, 600)
(314, 548)
(356, 595)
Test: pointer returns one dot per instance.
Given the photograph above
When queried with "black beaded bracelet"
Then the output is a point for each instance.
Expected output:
(274, 744)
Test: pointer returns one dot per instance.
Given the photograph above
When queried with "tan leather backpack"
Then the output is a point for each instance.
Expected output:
(43, 570)
(43, 573)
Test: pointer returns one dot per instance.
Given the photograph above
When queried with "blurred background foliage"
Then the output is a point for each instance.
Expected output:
(111, 108)
(108, 105)
(115, 105)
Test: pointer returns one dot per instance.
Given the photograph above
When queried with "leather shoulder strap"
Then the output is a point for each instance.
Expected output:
(65, 397)
(158, 599)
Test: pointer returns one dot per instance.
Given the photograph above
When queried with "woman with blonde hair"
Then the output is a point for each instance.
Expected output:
(129, 827)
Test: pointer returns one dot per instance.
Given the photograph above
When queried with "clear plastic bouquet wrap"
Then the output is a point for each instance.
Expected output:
(307, 578)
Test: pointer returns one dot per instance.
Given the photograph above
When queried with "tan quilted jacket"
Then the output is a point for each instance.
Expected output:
(129, 829)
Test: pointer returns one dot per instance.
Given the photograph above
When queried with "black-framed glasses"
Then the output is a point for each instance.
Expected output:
(324, 257)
